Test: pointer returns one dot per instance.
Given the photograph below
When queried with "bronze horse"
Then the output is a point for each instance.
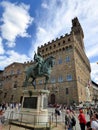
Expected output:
(32, 72)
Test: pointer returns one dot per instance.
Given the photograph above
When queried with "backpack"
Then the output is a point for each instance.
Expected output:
(73, 121)
(2, 119)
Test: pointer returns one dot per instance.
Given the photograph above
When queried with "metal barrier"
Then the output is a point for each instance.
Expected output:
(27, 121)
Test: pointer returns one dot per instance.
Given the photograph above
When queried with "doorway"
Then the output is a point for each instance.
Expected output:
(52, 98)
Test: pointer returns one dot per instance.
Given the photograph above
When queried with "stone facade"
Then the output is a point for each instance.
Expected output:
(70, 74)
(1, 79)
(95, 91)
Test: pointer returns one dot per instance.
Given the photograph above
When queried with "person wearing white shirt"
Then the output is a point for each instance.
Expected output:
(94, 122)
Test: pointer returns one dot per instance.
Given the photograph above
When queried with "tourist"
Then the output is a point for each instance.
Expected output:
(68, 122)
(94, 122)
(1, 119)
(82, 119)
(88, 125)
(90, 112)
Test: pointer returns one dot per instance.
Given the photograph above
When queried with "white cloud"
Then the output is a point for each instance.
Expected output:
(44, 5)
(94, 72)
(16, 20)
(93, 51)
(56, 20)
(11, 57)
(1, 47)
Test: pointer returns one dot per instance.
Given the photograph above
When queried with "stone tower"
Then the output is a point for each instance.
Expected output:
(78, 31)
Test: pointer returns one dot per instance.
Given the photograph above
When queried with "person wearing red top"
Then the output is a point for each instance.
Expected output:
(82, 119)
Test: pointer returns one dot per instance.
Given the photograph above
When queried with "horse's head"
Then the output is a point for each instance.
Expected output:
(52, 61)
(49, 61)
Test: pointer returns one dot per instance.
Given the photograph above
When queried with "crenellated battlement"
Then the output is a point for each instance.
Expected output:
(29, 62)
(54, 41)
(58, 44)
(76, 34)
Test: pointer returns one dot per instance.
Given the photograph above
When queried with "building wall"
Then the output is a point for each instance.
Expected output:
(13, 77)
(94, 92)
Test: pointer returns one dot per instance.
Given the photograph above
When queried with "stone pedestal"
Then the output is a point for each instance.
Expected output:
(34, 107)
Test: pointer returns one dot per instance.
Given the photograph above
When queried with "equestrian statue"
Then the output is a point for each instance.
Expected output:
(41, 68)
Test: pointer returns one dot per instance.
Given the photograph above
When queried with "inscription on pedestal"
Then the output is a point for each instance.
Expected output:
(30, 102)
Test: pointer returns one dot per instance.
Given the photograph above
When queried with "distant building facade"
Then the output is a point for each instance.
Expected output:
(70, 74)
(95, 91)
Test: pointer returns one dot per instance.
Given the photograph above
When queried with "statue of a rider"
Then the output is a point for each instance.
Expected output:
(39, 62)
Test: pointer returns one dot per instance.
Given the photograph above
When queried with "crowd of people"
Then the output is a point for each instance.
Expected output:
(7, 107)
(69, 113)
(70, 118)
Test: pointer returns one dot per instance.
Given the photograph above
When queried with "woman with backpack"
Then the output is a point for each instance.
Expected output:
(68, 120)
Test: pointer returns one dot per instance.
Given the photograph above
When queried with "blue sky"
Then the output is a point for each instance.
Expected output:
(27, 24)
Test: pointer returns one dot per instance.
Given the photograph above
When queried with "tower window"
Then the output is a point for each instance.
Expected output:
(54, 45)
(59, 44)
(68, 39)
(43, 50)
(63, 41)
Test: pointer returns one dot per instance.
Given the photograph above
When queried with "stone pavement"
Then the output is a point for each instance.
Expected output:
(59, 127)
